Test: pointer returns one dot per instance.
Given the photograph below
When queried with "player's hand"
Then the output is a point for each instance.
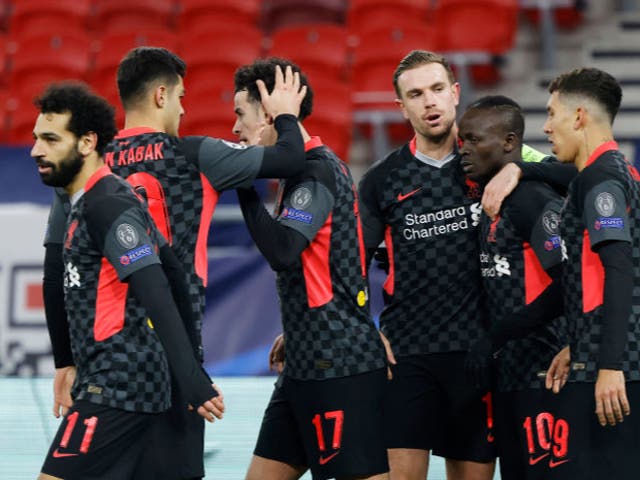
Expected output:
(276, 354)
(214, 407)
(391, 359)
(499, 188)
(558, 371)
(477, 364)
(62, 383)
(287, 95)
(612, 404)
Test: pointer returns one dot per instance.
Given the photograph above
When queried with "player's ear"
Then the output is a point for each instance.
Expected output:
(580, 118)
(160, 96)
(509, 143)
(87, 143)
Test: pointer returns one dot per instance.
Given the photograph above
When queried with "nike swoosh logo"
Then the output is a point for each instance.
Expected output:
(325, 460)
(533, 461)
(403, 196)
(554, 464)
(57, 454)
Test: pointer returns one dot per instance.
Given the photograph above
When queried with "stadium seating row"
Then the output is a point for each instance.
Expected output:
(349, 53)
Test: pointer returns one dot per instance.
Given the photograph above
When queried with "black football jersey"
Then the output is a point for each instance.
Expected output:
(603, 204)
(327, 326)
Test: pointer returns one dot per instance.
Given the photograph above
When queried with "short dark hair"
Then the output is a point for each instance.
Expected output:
(264, 69)
(416, 58)
(592, 83)
(144, 65)
(513, 116)
(89, 112)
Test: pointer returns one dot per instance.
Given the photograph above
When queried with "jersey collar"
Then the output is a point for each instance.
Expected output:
(132, 132)
(314, 142)
(605, 147)
(97, 176)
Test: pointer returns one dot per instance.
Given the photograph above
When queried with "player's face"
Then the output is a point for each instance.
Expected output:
(55, 149)
(559, 128)
(428, 100)
(173, 108)
(251, 126)
(482, 137)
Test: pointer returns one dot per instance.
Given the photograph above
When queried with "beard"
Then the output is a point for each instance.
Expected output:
(64, 172)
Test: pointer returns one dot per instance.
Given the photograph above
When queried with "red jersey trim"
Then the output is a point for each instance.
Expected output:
(314, 142)
(316, 268)
(96, 177)
(605, 147)
(535, 277)
(592, 276)
(389, 283)
(110, 303)
(209, 202)
(412, 145)
(132, 132)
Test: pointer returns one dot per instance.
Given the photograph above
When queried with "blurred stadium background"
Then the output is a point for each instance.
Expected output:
(349, 50)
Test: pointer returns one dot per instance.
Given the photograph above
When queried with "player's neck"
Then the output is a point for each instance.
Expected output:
(137, 119)
(592, 139)
(432, 148)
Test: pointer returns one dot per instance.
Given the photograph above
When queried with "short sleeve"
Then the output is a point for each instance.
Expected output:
(605, 213)
(228, 165)
(306, 206)
(127, 244)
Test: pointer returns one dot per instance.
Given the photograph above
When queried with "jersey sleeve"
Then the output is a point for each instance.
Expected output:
(228, 165)
(57, 221)
(372, 219)
(545, 235)
(124, 236)
(308, 203)
(605, 214)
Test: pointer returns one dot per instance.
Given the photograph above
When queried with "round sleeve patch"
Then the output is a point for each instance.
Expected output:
(127, 235)
(301, 198)
(550, 222)
(605, 204)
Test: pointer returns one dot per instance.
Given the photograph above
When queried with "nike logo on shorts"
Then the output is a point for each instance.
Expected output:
(403, 196)
(554, 464)
(57, 454)
(534, 460)
(324, 460)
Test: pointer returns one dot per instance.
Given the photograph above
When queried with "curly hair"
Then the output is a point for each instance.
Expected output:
(89, 112)
(144, 65)
(264, 69)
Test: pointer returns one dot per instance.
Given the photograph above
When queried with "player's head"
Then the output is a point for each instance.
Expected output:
(73, 125)
(253, 126)
(151, 79)
(490, 133)
(580, 99)
(427, 93)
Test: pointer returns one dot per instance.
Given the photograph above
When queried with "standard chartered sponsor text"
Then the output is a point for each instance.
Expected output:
(424, 225)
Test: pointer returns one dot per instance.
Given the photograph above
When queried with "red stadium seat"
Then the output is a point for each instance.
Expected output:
(217, 54)
(364, 15)
(62, 55)
(126, 14)
(209, 109)
(206, 14)
(36, 16)
(281, 13)
(459, 21)
(331, 118)
(319, 49)
(21, 117)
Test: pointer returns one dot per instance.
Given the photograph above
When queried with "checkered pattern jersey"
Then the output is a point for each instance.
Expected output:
(127, 370)
(585, 327)
(430, 216)
(511, 271)
(338, 338)
(175, 181)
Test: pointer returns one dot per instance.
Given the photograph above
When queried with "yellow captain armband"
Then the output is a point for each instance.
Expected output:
(531, 154)
(149, 322)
